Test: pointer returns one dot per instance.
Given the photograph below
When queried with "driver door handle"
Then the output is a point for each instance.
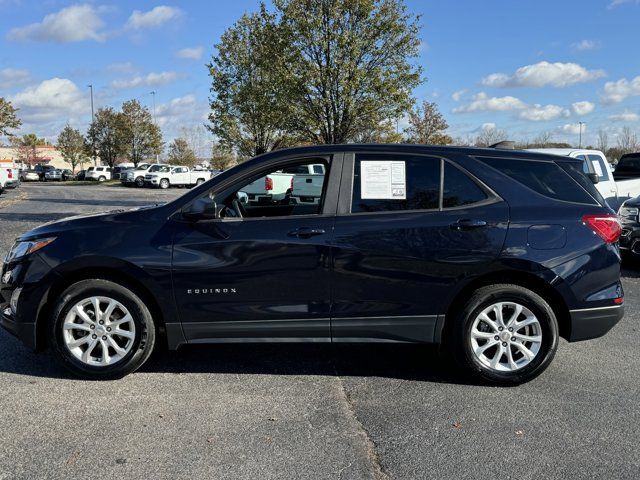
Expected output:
(306, 232)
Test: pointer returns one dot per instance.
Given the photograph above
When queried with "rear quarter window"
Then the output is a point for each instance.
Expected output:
(544, 177)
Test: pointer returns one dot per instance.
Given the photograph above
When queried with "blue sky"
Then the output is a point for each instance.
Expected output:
(522, 66)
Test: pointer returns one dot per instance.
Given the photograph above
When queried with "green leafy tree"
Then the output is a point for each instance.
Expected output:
(72, 146)
(180, 153)
(141, 137)
(26, 148)
(249, 100)
(8, 118)
(348, 64)
(106, 135)
(427, 125)
(222, 157)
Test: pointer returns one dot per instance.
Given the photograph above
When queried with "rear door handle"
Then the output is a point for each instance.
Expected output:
(468, 224)
(306, 232)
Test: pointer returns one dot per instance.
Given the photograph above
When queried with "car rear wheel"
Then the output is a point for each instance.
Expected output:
(102, 330)
(140, 182)
(200, 181)
(506, 334)
(101, 178)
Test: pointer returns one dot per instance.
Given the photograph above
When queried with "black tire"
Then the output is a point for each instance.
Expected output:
(458, 334)
(199, 182)
(139, 182)
(164, 184)
(145, 331)
(102, 179)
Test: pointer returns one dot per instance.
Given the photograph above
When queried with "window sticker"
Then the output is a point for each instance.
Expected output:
(597, 167)
(383, 180)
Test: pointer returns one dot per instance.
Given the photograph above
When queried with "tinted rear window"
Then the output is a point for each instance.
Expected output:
(459, 189)
(546, 178)
(629, 163)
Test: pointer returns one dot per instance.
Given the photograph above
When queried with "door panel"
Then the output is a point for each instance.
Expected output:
(262, 277)
(251, 278)
(394, 271)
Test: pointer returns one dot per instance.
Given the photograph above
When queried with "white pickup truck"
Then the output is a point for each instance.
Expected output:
(171, 175)
(307, 188)
(277, 186)
(135, 176)
(9, 178)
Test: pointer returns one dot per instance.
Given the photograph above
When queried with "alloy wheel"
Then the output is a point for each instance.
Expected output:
(506, 336)
(99, 331)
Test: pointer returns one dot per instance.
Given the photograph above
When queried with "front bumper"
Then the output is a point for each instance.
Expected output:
(630, 239)
(591, 323)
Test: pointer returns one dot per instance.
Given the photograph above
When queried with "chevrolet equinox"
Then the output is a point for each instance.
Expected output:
(494, 254)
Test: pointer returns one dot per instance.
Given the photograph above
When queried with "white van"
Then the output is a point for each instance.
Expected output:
(594, 161)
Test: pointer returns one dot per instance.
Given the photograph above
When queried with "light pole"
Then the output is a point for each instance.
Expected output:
(153, 96)
(93, 142)
(580, 141)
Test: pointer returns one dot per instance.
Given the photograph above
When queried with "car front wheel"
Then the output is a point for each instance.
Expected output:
(164, 183)
(101, 330)
(139, 182)
(506, 334)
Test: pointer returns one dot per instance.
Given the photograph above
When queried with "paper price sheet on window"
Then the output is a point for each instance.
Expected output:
(383, 180)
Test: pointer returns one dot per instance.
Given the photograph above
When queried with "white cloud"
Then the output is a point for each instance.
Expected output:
(71, 24)
(487, 127)
(194, 53)
(153, 18)
(456, 96)
(572, 128)
(617, 3)
(56, 99)
(483, 103)
(544, 74)
(582, 108)
(615, 92)
(13, 77)
(540, 113)
(149, 80)
(625, 116)
(181, 112)
(583, 45)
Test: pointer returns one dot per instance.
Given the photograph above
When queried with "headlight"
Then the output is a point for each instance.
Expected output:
(20, 249)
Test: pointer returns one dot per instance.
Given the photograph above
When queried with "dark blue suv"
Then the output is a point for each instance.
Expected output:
(493, 253)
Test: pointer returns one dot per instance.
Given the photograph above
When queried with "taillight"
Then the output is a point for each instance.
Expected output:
(10, 173)
(606, 226)
(268, 183)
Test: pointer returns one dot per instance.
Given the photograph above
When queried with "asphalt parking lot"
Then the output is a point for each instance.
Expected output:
(296, 411)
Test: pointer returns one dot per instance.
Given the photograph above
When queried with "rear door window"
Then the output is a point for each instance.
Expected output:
(545, 178)
(421, 184)
(458, 189)
(414, 184)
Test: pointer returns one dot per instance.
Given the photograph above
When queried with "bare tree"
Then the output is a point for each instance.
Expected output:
(489, 135)
(603, 140)
(542, 140)
(197, 139)
(627, 141)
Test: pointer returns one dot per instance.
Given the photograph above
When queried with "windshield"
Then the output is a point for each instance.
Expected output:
(157, 168)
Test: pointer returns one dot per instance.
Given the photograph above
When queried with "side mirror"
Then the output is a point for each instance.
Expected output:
(201, 209)
(593, 177)
(243, 197)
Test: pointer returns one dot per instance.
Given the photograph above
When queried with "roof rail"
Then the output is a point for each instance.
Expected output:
(504, 145)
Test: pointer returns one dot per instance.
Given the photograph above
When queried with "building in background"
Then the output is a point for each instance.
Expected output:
(46, 155)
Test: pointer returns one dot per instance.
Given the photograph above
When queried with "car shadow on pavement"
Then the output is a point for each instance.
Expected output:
(407, 362)
(95, 202)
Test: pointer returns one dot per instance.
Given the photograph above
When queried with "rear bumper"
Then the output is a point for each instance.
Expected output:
(594, 322)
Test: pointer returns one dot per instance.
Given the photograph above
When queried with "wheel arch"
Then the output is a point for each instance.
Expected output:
(525, 279)
(122, 276)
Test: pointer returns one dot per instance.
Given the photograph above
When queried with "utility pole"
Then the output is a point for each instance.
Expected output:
(93, 142)
(580, 141)
(153, 96)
